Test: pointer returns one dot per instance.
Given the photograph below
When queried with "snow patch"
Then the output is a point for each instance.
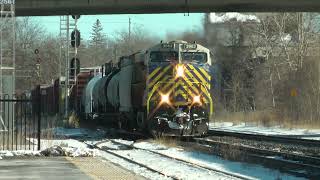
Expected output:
(63, 143)
(69, 151)
(80, 152)
(111, 145)
(129, 143)
(150, 146)
(211, 161)
(171, 167)
(68, 147)
(220, 18)
(132, 167)
(19, 153)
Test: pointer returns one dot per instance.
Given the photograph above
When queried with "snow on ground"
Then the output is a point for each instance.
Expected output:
(111, 145)
(150, 146)
(63, 143)
(170, 167)
(19, 153)
(165, 165)
(129, 143)
(277, 130)
(211, 161)
(71, 147)
(132, 167)
(224, 17)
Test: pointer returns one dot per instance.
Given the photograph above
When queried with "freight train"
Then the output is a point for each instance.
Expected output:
(165, 90)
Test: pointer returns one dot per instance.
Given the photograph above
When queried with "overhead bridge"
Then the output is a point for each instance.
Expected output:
(63, 7)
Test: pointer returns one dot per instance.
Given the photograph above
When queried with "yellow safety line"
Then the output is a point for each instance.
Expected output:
(205, 73)
(198, 75)
(153, 73)
(159, 76)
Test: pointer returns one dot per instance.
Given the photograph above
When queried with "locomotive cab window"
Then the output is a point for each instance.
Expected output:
(160, 56)
(199, 57)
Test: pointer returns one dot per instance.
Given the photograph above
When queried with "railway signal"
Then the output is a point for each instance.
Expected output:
(75, 17)
(75, 38)
(38, 62)
(74, 68)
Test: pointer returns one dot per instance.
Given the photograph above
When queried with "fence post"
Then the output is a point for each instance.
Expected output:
(39, 116)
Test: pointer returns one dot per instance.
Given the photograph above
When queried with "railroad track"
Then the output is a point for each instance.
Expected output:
(298, 165)
(295, 164)
(131, 161)
(193, 165)
(270, 138)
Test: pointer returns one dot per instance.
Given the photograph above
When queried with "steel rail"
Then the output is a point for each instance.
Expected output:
(184, 161)
(289, 160)
(307, 160)
(129, 160)
(270, 138)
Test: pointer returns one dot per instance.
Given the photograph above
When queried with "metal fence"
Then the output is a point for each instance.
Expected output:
(20, 122)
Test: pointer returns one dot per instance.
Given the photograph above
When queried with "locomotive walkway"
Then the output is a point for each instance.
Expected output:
(79, 168)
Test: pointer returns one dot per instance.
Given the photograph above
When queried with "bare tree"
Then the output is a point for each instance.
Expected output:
(30, 36)
(287, 42)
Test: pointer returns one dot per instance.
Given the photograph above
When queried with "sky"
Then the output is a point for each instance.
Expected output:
(156, 24)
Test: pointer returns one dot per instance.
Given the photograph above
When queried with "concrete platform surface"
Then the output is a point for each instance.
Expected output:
(99, 168)
(40, 168)
(53, 168)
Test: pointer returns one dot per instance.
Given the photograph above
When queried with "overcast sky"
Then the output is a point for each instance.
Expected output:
(156, 24)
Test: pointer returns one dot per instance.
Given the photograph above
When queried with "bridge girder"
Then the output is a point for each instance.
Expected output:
(64, 7)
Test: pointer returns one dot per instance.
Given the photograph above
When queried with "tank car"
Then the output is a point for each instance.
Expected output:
(164, 89)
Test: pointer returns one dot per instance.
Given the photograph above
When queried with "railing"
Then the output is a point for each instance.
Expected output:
(19, 123)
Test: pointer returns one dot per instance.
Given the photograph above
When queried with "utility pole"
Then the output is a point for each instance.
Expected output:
(115, 53)
(129, 42)
(129, 30)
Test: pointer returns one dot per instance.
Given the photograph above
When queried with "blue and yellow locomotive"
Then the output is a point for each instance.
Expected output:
(178, 88)
(164, 89)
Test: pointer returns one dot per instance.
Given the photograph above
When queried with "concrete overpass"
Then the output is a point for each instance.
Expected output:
(62, 7)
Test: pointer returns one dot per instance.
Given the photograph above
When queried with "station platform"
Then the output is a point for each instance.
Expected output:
(53, 168)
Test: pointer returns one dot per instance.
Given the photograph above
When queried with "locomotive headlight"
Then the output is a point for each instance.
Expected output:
(197, 100)
(165, 98)
(179, 71)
